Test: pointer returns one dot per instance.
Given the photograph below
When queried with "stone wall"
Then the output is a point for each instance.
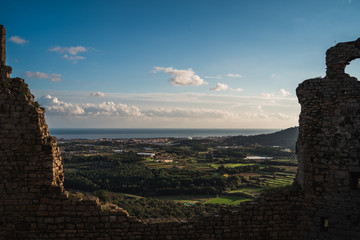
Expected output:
(328, 147)
(34, 204)
(4, 70)
(2, 46)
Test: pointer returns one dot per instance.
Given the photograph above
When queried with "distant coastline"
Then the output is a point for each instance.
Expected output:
(96, 133)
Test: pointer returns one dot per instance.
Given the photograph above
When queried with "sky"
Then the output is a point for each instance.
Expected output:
(173, 63)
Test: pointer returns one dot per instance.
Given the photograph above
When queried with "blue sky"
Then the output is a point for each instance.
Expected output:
(174, 63)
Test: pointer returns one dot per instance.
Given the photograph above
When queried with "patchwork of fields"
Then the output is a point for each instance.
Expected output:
(195, 173)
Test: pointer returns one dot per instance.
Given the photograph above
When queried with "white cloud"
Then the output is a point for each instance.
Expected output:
(70, 50)
(234, 75)
(112, 109)
(224, 87)
(236, 89)
(220, 87)
(97, 94)
(230, 75)
(283, 92)
(53, 77)
(181, 77)
(73, 51)
(18, 40)
(273, 76)
(55, 107)
(73, 57)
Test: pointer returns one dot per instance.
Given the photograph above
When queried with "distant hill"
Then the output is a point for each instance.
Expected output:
(286, 137)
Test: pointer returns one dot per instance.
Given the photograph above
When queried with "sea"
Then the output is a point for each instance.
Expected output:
(113, 133)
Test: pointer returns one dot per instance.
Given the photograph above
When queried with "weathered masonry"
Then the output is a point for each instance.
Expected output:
(323, 204)
(328, 148)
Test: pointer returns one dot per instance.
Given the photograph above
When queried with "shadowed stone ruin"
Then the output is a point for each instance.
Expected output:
(339, 56)
(323, 203)
(328, 147)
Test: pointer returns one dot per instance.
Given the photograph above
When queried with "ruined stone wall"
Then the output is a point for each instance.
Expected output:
(34, 204)
(328, 147)
(27, 149)
(4, 70)
(2, 46)
(328, 153)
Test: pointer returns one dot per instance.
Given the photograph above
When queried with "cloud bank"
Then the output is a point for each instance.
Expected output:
(120, 112)
(56, 107)
(172, 110)
(190, 113)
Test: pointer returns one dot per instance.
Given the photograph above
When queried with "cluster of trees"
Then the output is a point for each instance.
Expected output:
(239, 169)
(226, 156)
(180, 151)
(249, 168)
(197, 144)
(145, 208)
(155, 208)
(79, 182)
(136, 178)
(272, 169)
(280, 163)
(269, 151)
(127, 157)
(76, 147)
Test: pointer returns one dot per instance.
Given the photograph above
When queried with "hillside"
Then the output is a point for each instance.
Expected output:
(286, 137)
